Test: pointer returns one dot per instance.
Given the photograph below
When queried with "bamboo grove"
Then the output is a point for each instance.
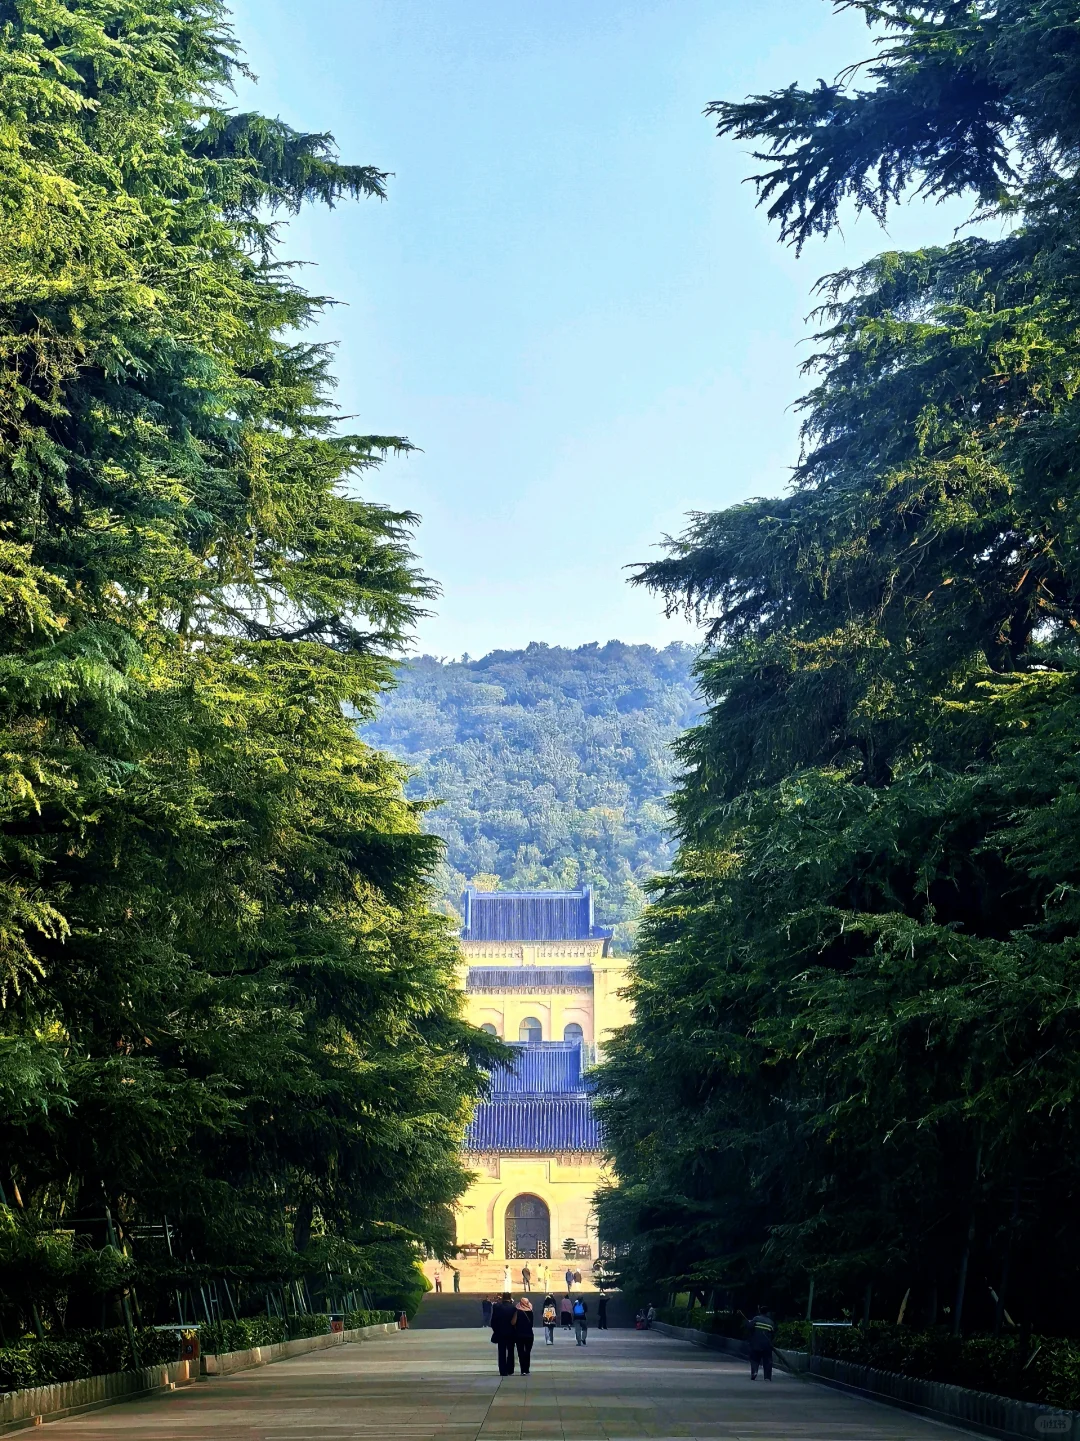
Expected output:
(226, 1000)
(856, 1054)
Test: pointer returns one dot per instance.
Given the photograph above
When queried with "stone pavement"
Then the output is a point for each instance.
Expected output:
(440, 1386)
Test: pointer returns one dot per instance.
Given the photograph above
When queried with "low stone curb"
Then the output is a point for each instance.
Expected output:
(227, 1362)
(974, 1410)
(36, 1404)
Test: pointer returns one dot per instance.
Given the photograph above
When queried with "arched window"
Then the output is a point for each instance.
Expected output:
(487, 1026)
(531, 1031)
(573, 1032)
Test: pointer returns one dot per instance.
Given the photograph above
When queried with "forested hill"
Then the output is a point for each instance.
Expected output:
(553, 765)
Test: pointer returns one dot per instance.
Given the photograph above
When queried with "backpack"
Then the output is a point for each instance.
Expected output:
(579, 1309)
(549, 1315)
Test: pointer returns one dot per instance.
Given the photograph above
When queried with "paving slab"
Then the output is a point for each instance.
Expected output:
(443, 1385)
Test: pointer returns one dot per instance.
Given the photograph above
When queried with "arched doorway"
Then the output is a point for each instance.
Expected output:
(528, 1228)
(531, 1031)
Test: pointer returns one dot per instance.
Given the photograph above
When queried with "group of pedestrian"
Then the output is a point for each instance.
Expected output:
(543, 1279)
(438, 1281)
(511, 1325)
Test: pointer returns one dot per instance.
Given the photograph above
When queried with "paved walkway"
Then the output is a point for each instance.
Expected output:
(423, 1385)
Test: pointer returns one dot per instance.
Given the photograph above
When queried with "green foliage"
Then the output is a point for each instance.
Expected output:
(251, 1331)
(715, 1323)
(82, 1353)
(857, 1048)
(227, 999)
(1027, 1367)
(552, 766)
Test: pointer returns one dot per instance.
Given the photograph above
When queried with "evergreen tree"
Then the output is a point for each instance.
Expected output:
(227, 999)
(856, 1050)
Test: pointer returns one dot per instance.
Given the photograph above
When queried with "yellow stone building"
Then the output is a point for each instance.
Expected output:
(539, 973)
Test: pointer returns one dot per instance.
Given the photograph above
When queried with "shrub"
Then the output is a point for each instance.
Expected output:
(1027, 1368)
(78, 1354)
(793, 1335)
(355, 1319)
(252, 1331)
(716, 1323)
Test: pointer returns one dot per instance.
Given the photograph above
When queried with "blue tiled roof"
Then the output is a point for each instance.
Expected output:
(553, 1123)
(552, 1068)
(528, 978)
(530, 916)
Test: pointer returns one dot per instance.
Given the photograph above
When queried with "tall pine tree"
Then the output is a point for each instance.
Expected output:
(857, 1048)
(227, 1000)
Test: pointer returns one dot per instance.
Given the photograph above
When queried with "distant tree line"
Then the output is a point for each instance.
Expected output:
(551, 767)
(856, 1056)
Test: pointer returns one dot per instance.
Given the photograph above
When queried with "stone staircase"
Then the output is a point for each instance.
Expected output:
(440, 1313)
(481, 1276)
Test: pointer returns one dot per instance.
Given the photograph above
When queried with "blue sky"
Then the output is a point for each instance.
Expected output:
(568, 301)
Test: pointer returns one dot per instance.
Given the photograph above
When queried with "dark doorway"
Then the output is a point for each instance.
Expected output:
(528, 1228)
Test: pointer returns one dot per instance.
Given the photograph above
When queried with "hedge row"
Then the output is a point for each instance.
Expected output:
(269, 1330)
(1027, 1368)
(77, 1354)
(790, 1335)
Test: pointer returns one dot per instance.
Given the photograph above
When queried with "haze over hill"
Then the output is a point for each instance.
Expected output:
(552, 765)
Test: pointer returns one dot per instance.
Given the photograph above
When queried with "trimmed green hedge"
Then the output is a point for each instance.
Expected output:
(1031, 1368)
(355, 1319)
(260, 1331)
(269, 1330)
(78, 1354)
(716, 1323)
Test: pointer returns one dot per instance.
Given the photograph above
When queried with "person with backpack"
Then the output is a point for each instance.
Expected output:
(550, 1318)
(581, 1321)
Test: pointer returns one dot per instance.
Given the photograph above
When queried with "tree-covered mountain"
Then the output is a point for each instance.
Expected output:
(552, 765)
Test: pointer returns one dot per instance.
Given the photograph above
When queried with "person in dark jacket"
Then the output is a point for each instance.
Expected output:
(760, 1332)
(523, 1338)
(486, 1307)
(504, 1321)
(581, 1321)
(601, 1313)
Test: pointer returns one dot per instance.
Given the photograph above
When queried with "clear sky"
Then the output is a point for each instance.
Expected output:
(568, 301)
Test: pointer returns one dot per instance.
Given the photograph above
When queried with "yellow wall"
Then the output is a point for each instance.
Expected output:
(597, 1011)
(565, 1183)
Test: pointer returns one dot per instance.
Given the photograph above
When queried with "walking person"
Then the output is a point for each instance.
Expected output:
(581, 1321)
(601, 1313)
(564, 1312)
(650, 1316)
(526, 1277)
(551, 1316)
(760, 1332)
(485, 1305)
(507, 1283)
(504, 1319)
(523, 1339)
(457, 1283)
(438, 1282)
(569, 1279)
